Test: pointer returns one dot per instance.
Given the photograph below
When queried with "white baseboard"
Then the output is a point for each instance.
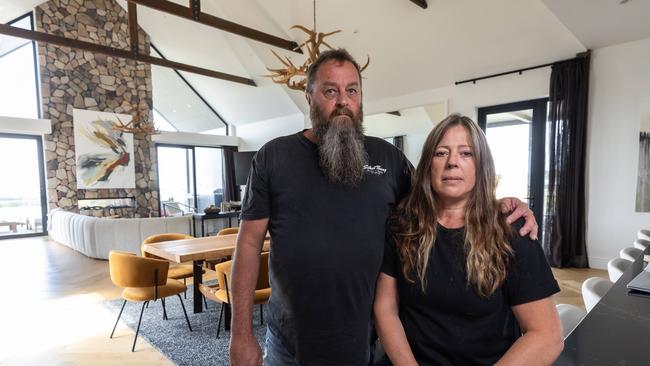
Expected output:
(598, 263)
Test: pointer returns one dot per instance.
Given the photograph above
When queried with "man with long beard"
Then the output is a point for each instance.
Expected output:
(325, 195)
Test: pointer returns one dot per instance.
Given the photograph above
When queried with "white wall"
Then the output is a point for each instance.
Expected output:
(467, 98)
(254, 135)
(619, 85)
(414, 124)
(194, 139)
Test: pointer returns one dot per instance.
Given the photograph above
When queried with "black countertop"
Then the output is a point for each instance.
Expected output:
(207, 216)
(615, 332)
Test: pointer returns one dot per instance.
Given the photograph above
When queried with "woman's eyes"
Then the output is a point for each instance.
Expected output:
(443, 153)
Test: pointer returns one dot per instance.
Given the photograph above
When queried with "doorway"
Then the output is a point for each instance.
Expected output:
(516, 133)
(23, 203)
(190, 178)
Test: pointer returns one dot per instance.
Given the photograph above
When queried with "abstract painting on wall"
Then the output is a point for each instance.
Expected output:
(104, 154)
(643, 180)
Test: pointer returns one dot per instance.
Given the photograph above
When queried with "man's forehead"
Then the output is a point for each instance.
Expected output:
(335, 69)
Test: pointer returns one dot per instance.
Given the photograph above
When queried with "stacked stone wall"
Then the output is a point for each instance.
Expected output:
(72, 78)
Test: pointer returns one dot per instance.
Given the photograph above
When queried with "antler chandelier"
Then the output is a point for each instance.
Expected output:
(137, 125)
(295, 77)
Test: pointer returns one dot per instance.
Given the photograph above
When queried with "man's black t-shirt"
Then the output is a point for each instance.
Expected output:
(327, 244)
(451, 324)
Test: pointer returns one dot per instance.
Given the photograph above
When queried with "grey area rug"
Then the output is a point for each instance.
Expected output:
(173, 338)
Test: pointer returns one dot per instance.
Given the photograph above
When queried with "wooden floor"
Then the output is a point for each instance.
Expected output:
(51, 310)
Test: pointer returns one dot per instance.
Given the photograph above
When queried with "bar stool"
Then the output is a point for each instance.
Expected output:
(593, 289)
(643, 234)
(630, 253)
(570, 316)
(616, 267)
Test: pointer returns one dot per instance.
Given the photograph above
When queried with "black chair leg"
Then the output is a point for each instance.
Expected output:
(205, 302)
(118, 318)
(164, 309)
(220, 316)
(138, 329)
(185, 292)
(261, 313)
(185, 312)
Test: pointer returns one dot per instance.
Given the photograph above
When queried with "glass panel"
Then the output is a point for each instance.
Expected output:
(178, 103)
(176, 180)
(17, 72)
(162, 123)
(209, 180)
(20, 196)
(509, 136)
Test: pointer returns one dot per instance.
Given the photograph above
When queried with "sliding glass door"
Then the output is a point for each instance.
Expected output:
(22, 188)
(176, 180)
(516, 133)
(190, 178)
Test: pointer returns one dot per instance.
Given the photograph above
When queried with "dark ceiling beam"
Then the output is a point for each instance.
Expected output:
(133, 29)
(420, 3)
(215, 22)
(116, 52)
(195, 5)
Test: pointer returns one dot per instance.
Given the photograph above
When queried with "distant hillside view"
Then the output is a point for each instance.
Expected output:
(20, 190)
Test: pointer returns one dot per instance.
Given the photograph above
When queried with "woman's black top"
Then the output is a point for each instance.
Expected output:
(451, 324)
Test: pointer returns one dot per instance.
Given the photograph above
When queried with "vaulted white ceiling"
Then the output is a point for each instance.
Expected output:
(411, 49)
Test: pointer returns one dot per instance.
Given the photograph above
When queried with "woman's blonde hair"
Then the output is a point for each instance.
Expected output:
(486, 232)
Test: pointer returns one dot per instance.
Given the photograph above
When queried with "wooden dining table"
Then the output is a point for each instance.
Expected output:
(197, 250)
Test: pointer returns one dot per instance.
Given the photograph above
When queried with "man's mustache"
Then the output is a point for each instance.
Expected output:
(342, 112)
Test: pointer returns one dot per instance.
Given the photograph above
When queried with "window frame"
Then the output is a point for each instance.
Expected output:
(191, 148)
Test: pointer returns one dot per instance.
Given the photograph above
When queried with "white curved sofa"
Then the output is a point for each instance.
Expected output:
(95, 237)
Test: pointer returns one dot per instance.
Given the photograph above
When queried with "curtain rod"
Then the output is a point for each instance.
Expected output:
(520, 71)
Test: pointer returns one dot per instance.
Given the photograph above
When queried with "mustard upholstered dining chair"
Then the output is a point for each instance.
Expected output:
(143, 279)
(211, 263)
(221, 292)
(228, 231)
(179, 272)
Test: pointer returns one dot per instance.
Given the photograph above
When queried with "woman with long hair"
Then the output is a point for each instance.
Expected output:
(457, 286)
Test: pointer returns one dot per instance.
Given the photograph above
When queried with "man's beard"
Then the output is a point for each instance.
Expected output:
(340, 144)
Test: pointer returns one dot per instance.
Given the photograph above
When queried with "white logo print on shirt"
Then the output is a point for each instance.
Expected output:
(376, 170)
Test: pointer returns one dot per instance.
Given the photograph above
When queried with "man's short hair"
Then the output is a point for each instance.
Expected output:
(340, 55)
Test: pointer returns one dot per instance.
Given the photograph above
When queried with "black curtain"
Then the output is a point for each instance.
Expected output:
(564, 226)
(230, 188)
(643, 181)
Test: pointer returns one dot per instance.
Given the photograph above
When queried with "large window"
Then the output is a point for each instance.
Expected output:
(178, 106)
(22, 187)
(18, 82)
(22, 197)
(190, 178)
